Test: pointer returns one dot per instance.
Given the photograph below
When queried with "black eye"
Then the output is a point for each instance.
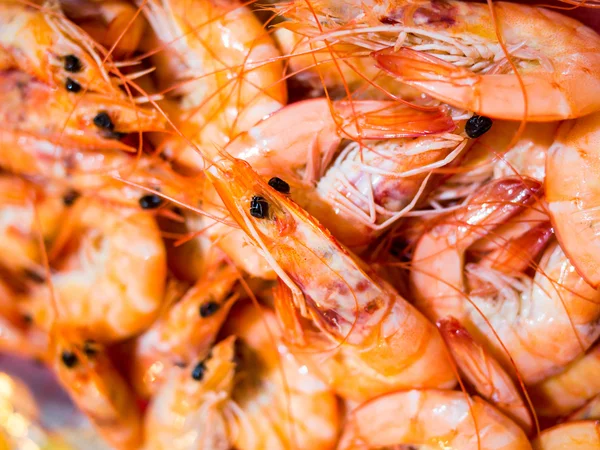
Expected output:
(69, 359)
(209, 308)
(34, 276)
(102, 120)
(279, 185)
(259, 207)
(72, 86)
(72, 64)
(477, 126)
(198, 372)
(89, 348)
(150, 201)
(70, 197)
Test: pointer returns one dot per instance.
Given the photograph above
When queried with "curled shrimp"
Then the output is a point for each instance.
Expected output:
(572, 191)
(109, 272)
(369, 328)
(99, 391)
(543, 322)
(485, 374)
(572, 388)
(584, 435)
(222, 66)
(431, 418)
(187, 330)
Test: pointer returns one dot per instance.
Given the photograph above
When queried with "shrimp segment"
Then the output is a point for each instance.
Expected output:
(558, 58)
(583, 435)
(432, 418)
(354, 310)
(485, 374)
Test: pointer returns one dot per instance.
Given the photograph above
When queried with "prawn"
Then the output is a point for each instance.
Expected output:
(374, 332)
(450, 50)
(187, 330)
(222, 66)
(572, 190)
(431, 418)
(485, 374)
(109, 272)
(540, 323)
(584, 435)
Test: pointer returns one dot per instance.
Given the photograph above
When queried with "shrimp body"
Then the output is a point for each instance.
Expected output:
(584, 435)
(431, 418)
(225, 74)
(98, 390)
(572, 191)
(353, 308)
(187, 330)
(110, 271)
(544, 322)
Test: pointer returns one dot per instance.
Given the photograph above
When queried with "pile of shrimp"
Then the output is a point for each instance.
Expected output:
(306, 224)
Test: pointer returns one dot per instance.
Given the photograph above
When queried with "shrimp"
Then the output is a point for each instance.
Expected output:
(220, 63)
(431, 418)
(109, 273)
(450, 50)
(374, 333)
(281, 404)
(543, 322)
(584, 435)
(189, 409)
(485, 374)
(112, 23)
(97, 389)
(572, 191)
(561, 394)
(187, 330)
(591, 410)
(81, 120)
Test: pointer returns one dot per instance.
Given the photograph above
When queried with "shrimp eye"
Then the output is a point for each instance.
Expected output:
(259, 207)
(89, 348)
(150, 201)
(27, 319)
(70, 197)
(69, 359)
(209, 308)
(279, 185)
(102, 120)
(34, 276)
(72, 86)
(477, 126)
(72, 64)
(198, 372)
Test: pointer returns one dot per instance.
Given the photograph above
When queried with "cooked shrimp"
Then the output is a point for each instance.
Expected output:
(281, 404)
(485, 374)
(373, 332)
(189, 409)
(591, 410)
(570, 389)
(98, 390)
(543, 322)
(572, 192)
(583, 435)
(431, 418)
(31, 108)
(109, 273)
(222, 66)
(187, 330)
(112, 23)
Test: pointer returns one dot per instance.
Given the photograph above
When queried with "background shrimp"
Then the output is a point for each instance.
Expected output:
(584, 435)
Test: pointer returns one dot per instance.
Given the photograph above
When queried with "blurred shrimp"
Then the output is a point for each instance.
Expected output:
(433, 419)
(591, 410)
(97, 389)
(112, 23)
(187, 330)
(584, 435)
(573, 190)
(219, 66)
(572, 388)
(371, 331)
(543, 322)
(485, 374)
(109, 271)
